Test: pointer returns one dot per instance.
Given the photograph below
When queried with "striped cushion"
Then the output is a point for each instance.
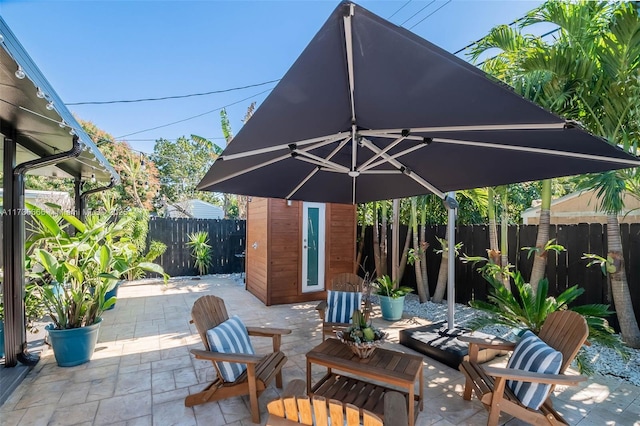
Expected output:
(341, 304)
(534, 355)
(230, 337)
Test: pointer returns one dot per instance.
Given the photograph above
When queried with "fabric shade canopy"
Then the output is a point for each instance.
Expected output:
(371, 111)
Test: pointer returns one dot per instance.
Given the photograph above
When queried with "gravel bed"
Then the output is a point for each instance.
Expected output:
(605, 361)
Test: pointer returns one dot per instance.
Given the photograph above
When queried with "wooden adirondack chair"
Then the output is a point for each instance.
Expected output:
(210, 311)
(347, 282)
(302, 410)
(565, 331)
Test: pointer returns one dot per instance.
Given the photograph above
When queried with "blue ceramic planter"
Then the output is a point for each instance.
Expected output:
(112, 293)
(1, 339)
(73, 346)
(391, 308)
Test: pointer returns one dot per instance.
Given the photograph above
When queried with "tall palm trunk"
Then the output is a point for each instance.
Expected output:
(619, 286)
(405, 255)
(383, 239)
(540, 260)
(423, 243)
(443, 272)
(423, 291)
(494, 248)
(504, 237)
(376, 239)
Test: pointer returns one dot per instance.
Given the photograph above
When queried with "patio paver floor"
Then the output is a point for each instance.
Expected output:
(142, 369)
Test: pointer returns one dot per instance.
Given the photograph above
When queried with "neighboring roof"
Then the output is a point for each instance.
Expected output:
(42, 132)
(196, 209)
(581, 207)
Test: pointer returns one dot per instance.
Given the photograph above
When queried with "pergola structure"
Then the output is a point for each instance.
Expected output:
(40, 136)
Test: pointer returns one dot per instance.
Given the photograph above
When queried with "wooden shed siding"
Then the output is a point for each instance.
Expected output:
(274, 269)
(257, 271)
(284, 251)
(340, 240)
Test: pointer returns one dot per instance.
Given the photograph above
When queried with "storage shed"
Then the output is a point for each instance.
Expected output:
(294, 248)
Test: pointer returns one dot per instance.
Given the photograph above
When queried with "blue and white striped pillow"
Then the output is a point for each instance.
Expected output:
(534, 355)
(230, 337)
(341, 304)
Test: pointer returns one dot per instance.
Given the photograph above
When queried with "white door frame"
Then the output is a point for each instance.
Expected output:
(321, 246)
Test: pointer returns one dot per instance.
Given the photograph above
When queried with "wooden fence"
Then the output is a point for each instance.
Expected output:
(563, 270)
(226, 237)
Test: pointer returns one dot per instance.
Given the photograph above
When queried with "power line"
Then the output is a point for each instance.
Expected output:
(195, 116)
(172, 97)
(411, 17)
(401, 7)
(420, 21)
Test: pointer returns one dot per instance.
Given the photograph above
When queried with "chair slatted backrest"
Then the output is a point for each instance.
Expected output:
(565, 331)
(208, 312)
(302, 410)
(347, 282)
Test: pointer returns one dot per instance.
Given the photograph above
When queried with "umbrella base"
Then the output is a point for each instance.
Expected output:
(442, 344)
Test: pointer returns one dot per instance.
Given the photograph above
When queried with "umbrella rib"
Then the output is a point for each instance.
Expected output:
(301, 184)
(250, 169)
(349, 50)
(406, 170)
(310, 175)
(540, 151)
(394, 156)
(305, 156)
(394, 133)
(328, 139)
(384, 151)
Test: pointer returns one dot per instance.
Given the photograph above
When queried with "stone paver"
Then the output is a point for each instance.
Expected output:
(142, 369)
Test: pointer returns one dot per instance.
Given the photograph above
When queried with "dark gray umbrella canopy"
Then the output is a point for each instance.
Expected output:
(370, 111)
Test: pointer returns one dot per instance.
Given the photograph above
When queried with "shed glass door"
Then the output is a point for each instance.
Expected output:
(313, 224)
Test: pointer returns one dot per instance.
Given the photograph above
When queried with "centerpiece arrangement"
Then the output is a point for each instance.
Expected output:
(361, 336)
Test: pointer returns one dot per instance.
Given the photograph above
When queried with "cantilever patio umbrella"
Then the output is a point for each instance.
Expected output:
(371, 111)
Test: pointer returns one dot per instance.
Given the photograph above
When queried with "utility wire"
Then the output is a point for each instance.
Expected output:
(195, 116)
(401, 7)
(420, 21)
(411, 17)
(172, 97)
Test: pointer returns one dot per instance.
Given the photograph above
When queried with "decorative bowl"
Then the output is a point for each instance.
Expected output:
(362, 349)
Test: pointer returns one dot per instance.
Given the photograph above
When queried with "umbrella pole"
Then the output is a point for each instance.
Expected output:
(451, 204)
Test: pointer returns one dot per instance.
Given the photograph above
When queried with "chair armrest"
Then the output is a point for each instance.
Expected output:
(484, 343)
(267, 332)
(531, 377)
(217, 356)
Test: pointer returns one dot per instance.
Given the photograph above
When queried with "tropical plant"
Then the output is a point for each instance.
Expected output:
(526, 308)
(133, 263)
(361, 330)
(200, 251)
(385, 286)
(74, 265)
(588, 73)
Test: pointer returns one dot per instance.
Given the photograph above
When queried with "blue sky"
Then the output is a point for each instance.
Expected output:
(120, 50)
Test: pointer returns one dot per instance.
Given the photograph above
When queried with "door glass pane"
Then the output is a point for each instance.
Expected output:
(312, 245)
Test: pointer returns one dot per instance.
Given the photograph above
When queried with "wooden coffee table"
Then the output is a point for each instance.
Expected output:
(384, 367)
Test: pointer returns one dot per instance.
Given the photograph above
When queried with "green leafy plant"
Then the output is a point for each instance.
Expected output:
(385, 286)
(73, 264)
(361, 330)
(522, 308)
(200, 251)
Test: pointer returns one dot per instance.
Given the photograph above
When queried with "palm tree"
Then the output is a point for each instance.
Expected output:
(592, 67)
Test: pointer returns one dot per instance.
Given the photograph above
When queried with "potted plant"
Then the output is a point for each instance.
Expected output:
(74, 265)
(391, 297)
(361, 336)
